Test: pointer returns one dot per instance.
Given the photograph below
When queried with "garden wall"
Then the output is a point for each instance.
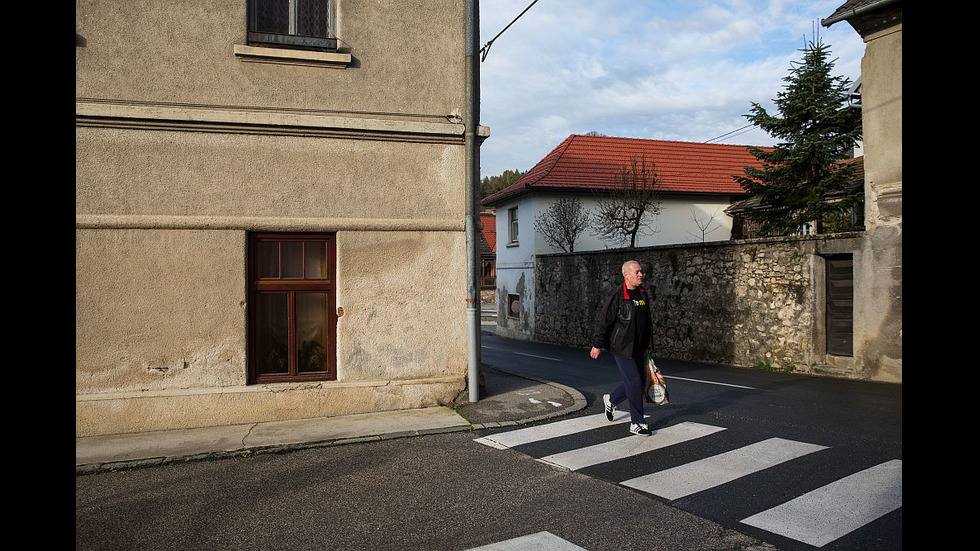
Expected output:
(755, 302)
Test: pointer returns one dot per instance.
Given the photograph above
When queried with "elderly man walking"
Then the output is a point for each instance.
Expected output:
(622, 326)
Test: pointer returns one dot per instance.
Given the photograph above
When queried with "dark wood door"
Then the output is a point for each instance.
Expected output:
(840, 305)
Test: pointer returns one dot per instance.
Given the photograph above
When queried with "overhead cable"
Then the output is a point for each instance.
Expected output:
(486, 47)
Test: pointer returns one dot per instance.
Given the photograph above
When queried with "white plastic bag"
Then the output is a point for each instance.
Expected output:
(655, 391)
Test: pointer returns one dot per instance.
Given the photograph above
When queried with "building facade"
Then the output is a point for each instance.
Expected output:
(695, 187)
(877, 265)
(269, 211)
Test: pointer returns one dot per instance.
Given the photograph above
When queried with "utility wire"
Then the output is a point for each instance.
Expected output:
(486, 47)
(731, 134)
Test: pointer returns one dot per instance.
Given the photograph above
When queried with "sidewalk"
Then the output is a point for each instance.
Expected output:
(508, 399)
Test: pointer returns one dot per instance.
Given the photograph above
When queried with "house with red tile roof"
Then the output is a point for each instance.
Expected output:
(488, 251)
(695, 183)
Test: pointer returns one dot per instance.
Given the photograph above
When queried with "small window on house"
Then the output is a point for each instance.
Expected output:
(304, 24)
(514, 306)
(291, 314)
(512, 225)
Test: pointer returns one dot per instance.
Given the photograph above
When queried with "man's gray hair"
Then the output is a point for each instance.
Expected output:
(627, 263)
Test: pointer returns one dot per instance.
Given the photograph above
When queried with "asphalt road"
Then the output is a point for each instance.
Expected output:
(847, 427)
(431, 492)
(454, 492)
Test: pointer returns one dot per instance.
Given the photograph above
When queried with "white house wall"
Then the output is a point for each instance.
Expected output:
(515, 268)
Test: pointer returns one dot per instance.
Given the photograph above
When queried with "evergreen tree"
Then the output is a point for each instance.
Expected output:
(492, 184)
(802, 180)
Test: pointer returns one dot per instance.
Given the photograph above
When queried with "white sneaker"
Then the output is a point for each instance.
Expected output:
(642, 429)
(609, 407)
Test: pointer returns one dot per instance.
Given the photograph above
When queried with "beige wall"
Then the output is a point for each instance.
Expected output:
(125, 171)
(183, 146)
(160, 330)
(881, 94)
(151, 51)
(878, 307)
(158, 309)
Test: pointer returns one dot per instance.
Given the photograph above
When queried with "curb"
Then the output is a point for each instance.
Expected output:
(111, 466)
(579, 403)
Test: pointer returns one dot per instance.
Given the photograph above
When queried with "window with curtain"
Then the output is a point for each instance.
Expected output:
(292, 314)
(304, 24)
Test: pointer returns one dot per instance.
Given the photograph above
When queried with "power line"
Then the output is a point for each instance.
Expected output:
(486, 47)
(732, 134)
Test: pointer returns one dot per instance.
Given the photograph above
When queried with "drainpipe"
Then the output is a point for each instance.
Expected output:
(472, 123)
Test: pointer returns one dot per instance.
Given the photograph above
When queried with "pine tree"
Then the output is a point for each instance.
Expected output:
(802, 179)
(492, 184)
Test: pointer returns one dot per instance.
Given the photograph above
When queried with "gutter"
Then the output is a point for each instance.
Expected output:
(858, 11)
(472, 177)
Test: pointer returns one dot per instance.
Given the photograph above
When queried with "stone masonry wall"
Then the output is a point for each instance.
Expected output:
(747, 302)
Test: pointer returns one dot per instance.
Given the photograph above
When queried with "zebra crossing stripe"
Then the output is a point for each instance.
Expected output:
(832, 511)
(630, 445)
(709, 472)
(541, 541)
(517, 437)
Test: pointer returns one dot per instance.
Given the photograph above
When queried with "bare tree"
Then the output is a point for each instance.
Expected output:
(563, 223)
(622, 213)
(704, 224)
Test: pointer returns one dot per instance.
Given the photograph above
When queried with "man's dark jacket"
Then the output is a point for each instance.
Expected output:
(615, 323)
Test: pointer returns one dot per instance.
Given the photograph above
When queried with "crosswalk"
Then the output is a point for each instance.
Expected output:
(541, 541)
(816, 518)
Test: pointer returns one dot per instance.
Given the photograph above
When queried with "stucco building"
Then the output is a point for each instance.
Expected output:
(269, 211)
(878, 263)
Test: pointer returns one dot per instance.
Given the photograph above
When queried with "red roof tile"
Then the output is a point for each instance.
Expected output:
(489, 231)
(594, 163)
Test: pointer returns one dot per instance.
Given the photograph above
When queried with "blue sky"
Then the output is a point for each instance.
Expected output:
(659, 69)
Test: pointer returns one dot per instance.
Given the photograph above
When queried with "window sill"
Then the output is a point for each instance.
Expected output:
(285, 56)
(514, 244)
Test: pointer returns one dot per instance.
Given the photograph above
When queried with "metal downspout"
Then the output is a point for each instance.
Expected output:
(472, 123)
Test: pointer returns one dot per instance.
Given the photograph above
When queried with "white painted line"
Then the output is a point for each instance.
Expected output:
(542, 541)
(551, 430)
(630, 445)
(534, 400)
(491, 443)
(709, 472)
(708, 382)
(541, 357)
(827, 513)
(556, 404)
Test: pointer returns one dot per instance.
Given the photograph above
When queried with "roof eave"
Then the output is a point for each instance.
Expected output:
(848, 14)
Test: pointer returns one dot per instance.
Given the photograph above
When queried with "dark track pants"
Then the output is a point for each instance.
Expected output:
(631, 388)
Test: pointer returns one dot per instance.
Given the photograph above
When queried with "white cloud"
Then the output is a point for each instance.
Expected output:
(680, 70)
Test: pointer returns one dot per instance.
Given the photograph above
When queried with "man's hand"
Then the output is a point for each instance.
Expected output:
(594, 353)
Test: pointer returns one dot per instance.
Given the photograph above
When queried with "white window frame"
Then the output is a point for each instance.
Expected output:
(512, 226)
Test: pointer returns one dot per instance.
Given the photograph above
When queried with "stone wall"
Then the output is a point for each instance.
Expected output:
(747, 302)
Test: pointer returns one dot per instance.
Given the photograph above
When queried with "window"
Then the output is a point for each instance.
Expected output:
(292, 314)
(514, 306)
(512, 225)
(305, 24)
